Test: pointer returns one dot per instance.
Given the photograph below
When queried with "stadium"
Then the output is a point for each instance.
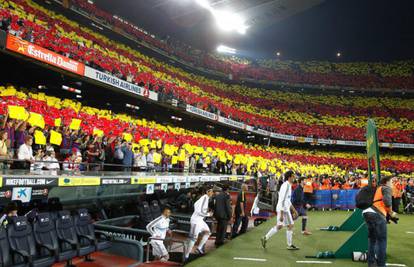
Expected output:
(190, 132)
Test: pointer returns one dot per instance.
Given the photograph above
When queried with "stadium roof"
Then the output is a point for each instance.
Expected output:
(372, 30)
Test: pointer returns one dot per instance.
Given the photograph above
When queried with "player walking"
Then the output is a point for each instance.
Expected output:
(284, 211)
(198, 225)
(158, 229)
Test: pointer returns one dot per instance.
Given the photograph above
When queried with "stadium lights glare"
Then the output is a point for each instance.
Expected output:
(176, 118)
(226, 21)
(132, 106)
(278, 54)
(78, 96)
(226, 49)
(203, 3)
(71, 89)
(338, 54)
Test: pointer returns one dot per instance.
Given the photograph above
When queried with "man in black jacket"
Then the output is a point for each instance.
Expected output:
(240, 212)
(222, 213)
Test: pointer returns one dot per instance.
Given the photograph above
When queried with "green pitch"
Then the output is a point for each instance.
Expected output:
(400, 244)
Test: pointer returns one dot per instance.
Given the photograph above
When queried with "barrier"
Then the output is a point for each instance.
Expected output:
(351, 194)
(335, 199)
(323, 199)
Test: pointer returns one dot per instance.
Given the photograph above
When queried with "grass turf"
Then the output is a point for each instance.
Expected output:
(400, 244)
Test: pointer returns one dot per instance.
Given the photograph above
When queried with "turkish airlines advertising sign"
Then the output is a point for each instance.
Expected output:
(26, 48)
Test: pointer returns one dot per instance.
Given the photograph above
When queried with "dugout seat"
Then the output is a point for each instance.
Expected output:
(45, 234)
(5, 257)
(66, 233)
(86, 230)
(23, 245)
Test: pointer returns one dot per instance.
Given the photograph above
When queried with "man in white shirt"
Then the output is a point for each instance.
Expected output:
(158, 229)
(25, 150)
(198, 225)
(51, 162)
(284, 211)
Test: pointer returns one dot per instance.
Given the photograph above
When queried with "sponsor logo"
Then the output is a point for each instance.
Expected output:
(22, 193)
(5, 194)
(40, 192)
(79, 181)
(201, 112)
(28, 181)
(109, 181)
(144, 180)
(44, 55)
(121, 84)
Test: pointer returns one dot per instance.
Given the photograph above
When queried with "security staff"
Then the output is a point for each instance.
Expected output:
(397, 190)
(222, 213)
(376, 220)
(308, 189)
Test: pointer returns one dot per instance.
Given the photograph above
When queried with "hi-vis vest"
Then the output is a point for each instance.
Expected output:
(308, 188)
(378, 202)
(364, 182)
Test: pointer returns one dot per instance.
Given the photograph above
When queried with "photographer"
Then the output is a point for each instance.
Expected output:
(376, 220)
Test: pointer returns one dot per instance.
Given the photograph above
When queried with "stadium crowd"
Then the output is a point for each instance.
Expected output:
(37, 127)
(397, 74)
(288, 113)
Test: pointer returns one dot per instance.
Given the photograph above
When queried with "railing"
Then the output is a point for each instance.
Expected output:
(169, 241)
(81, 167)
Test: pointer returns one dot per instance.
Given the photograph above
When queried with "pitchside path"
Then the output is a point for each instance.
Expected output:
(247, 251)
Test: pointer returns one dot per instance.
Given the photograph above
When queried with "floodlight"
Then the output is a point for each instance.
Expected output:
(228, 21)
(226, 49)
(203, 3)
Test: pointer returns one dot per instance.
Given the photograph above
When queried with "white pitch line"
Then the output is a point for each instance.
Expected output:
(395, 264)
(249, 259)
(409, 232)
(315, 262)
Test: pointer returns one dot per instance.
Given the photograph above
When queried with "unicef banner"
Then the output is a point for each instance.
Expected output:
(201, 112)
(119, 83)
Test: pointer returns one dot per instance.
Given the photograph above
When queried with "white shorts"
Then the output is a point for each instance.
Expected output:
(198, 226)
(158, 248)
(287, 218)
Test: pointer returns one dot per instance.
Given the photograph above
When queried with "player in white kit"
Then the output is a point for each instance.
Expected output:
(284, 211)
(158, 229)
(198, 225)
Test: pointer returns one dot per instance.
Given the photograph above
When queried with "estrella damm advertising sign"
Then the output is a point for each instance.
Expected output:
(26, 48)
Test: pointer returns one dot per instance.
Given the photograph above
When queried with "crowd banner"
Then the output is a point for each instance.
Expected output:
(282, 136)
(119, 83)
(231, 122)
(28, 49)
(257, 130)
(201, 112)
(300, 139)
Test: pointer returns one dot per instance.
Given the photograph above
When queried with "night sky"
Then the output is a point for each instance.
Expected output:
(362, 30)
